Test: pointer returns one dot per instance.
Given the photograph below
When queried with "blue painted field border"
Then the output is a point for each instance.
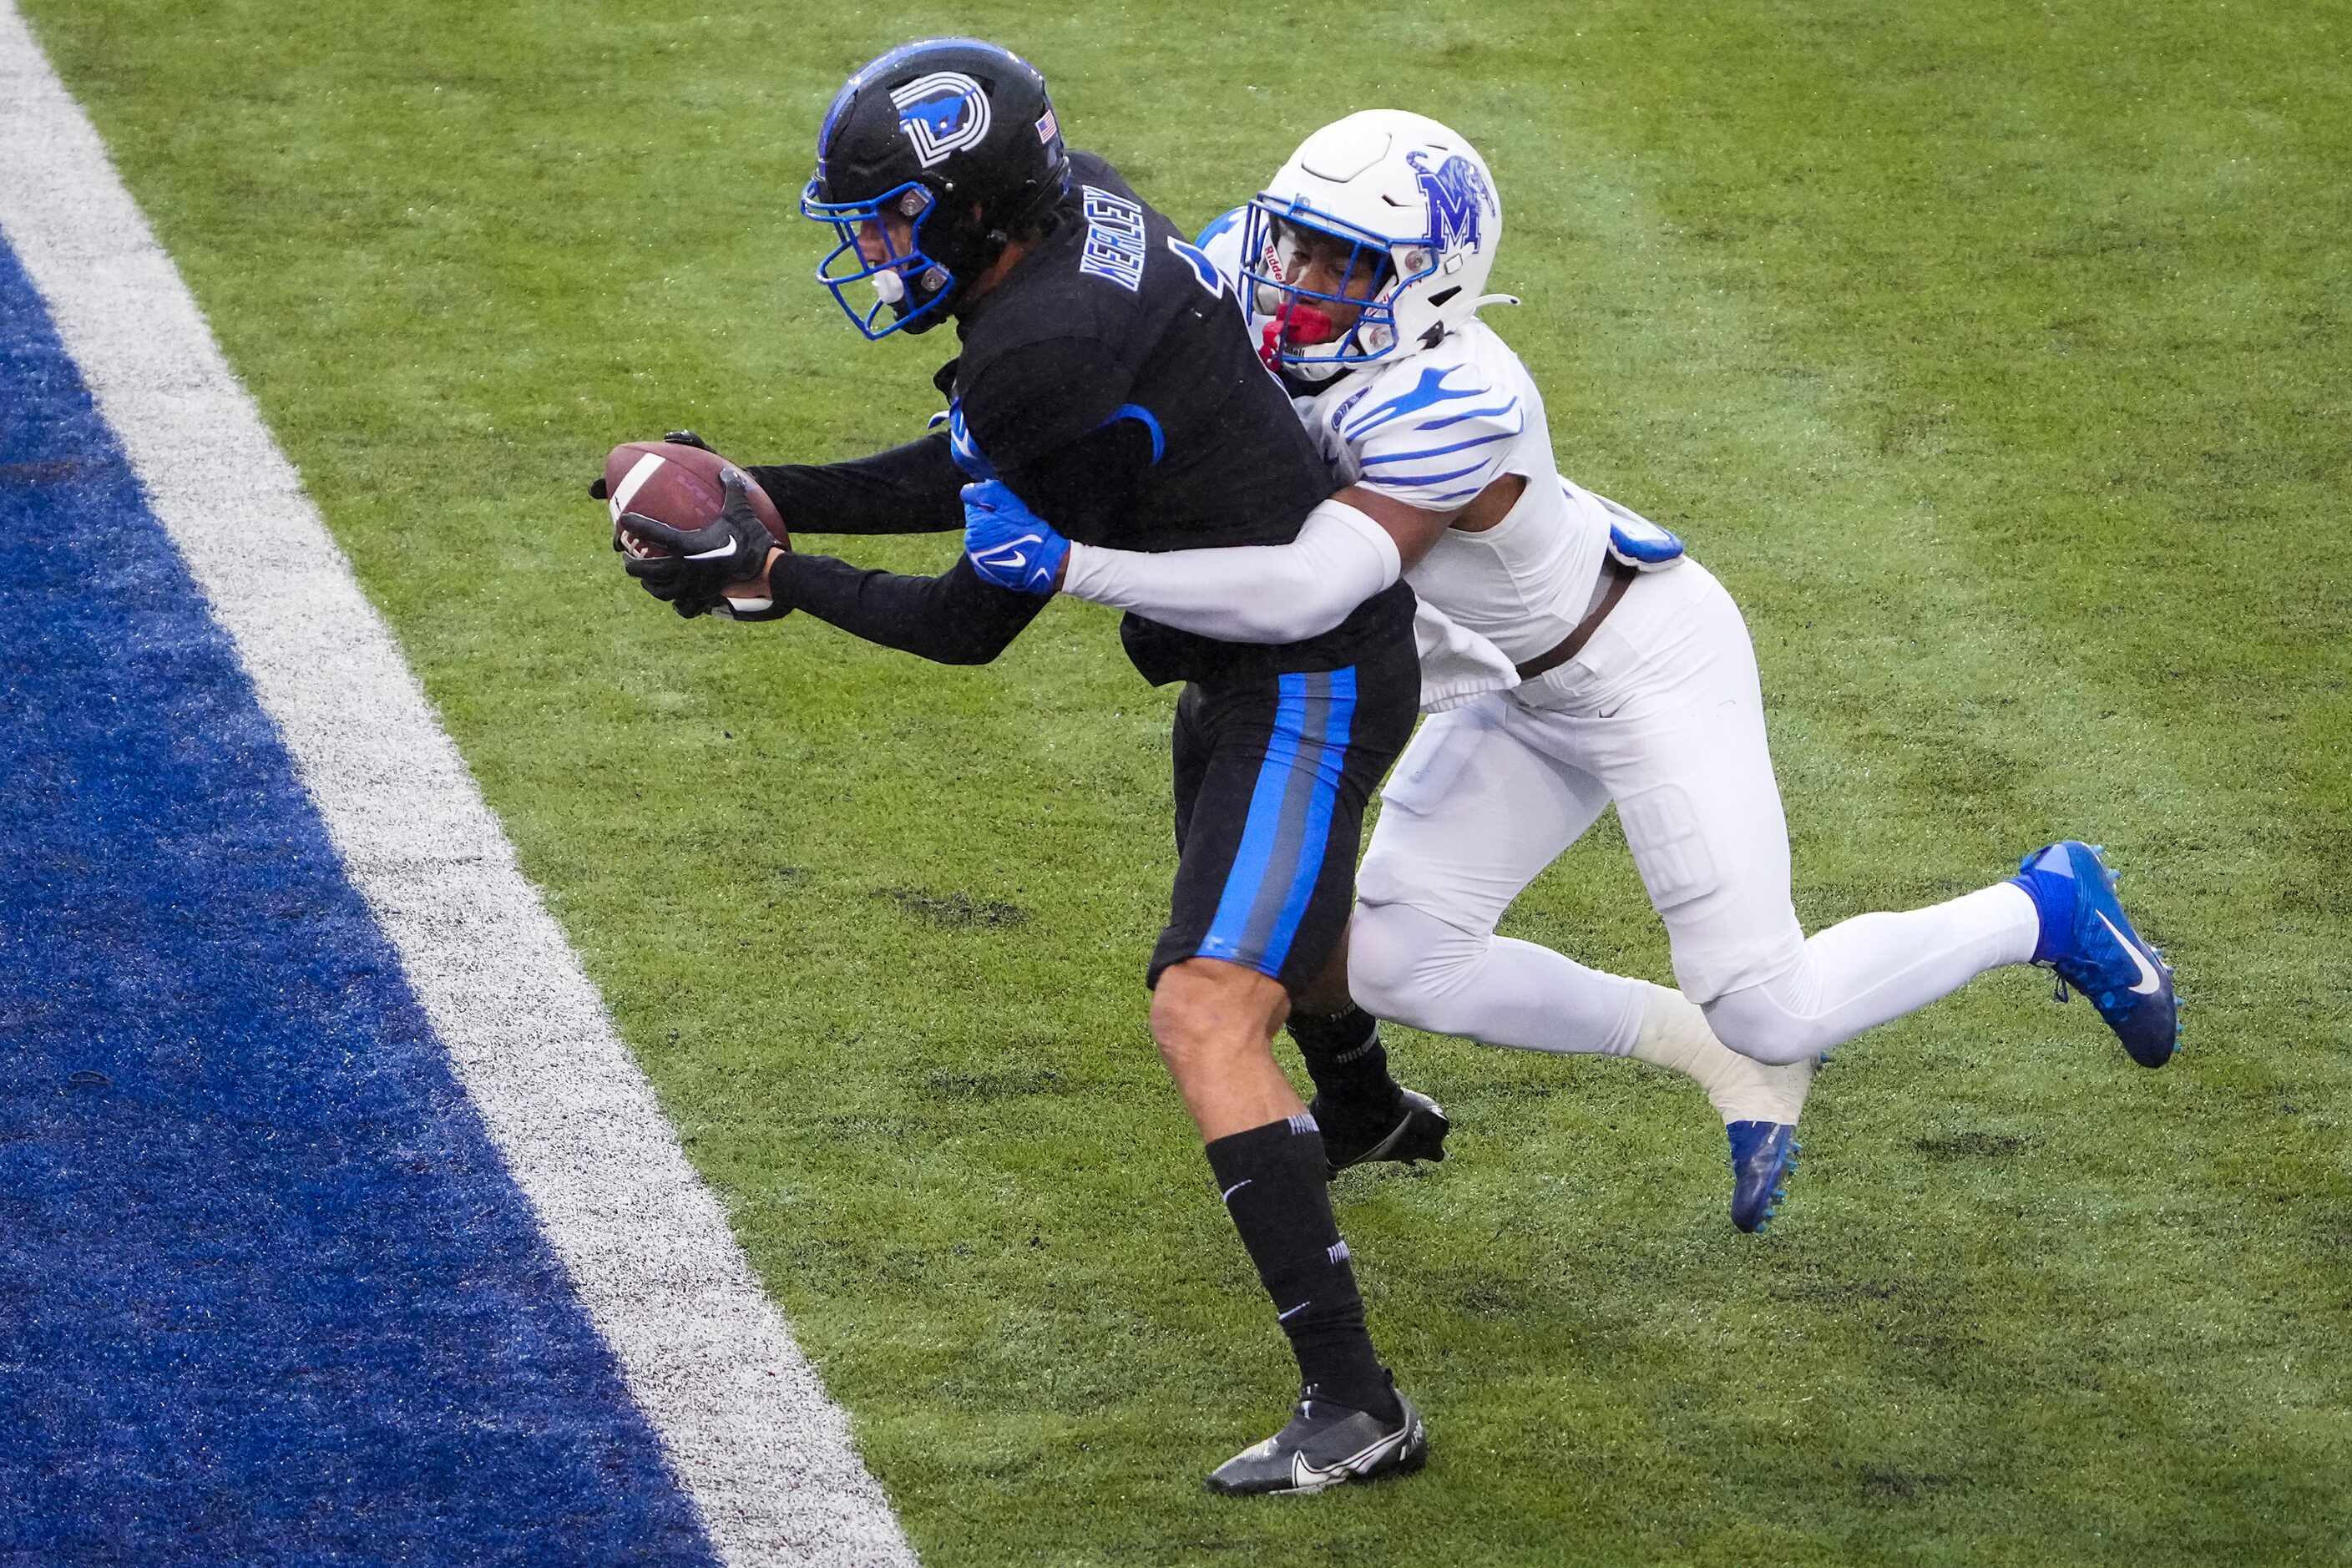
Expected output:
(267, 1292)
(765, 1455)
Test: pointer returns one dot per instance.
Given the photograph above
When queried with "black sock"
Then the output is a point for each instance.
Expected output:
(1345, 1057)
(1272, 1177)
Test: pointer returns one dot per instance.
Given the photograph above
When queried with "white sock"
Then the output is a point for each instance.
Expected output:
(1862, 971)
(1674, 1033)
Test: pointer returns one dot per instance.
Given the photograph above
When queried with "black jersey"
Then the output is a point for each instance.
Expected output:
(1108, 379)
(1115, 316)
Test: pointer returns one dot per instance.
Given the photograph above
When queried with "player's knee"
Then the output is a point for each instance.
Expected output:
(1410, 967)
(1760, 1025)
(1204, 1009)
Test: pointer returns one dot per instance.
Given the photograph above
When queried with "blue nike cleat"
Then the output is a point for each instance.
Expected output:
(1762, 1155)
(2089, 940)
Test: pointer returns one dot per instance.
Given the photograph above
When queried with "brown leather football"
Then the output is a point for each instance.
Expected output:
(679, 485)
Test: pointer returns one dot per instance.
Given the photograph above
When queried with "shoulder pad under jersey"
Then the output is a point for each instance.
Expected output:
(1434, 429)
(1222, 242)
(1634, 539)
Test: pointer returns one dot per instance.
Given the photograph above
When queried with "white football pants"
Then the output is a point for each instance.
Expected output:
(1661, 713)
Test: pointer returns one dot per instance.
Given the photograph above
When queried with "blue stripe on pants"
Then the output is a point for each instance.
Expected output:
(1229, 931)
(1281, 854)
(1328, 760)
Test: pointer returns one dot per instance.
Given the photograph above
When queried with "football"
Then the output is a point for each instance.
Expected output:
(679, 484)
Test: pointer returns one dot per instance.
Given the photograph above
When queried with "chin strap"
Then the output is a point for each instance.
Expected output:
(1494, 300)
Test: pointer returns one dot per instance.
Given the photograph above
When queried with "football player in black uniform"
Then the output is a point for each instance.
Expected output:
(1107, 378)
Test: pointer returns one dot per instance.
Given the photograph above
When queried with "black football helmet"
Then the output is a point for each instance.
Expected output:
(955, 139)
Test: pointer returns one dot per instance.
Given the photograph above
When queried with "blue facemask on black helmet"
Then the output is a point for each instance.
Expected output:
(935, 155)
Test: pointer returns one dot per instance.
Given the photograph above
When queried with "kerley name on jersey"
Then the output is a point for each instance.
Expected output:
(1434, 428)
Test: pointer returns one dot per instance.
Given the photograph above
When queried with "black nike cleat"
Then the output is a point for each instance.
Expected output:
(1412, 1128)
(1325, 1445)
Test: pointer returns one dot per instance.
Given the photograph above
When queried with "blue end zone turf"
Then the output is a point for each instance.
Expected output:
(266, 1293)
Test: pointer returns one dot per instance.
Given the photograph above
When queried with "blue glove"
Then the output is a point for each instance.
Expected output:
(965, 449)
(1010, 545)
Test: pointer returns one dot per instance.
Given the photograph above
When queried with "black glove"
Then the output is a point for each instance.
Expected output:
(702, 561)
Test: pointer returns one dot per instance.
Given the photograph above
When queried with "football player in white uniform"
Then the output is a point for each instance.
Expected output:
(1577, 657)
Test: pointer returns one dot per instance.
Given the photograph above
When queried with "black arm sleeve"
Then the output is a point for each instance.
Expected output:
(956, 617)
(913, 489)
(1078, 473)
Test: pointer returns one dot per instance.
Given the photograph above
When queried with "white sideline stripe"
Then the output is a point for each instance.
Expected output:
(765, 1456)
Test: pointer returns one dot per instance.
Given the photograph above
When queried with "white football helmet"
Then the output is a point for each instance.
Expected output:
(1418, 206)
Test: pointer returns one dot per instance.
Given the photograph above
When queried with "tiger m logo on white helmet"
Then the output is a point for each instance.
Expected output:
(940, 114)
(1459, 199)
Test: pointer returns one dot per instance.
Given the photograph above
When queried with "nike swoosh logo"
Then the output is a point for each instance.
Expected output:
(2149, 980)
(1286, 1317)
(1305, 1472)
(721, 553)
(1237, 1186)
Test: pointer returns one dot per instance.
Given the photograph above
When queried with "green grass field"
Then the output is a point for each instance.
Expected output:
(1995, 355)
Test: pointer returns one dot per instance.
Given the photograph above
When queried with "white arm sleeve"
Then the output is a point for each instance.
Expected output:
(1248, 593)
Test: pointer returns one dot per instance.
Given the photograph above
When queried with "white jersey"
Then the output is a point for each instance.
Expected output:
(1433, 429)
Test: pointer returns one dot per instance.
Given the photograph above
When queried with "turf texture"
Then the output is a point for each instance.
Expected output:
(1994, 355)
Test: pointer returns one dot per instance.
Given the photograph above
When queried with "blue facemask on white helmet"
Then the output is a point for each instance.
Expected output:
(1413, 206)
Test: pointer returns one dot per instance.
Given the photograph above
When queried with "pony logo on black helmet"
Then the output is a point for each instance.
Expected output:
(940, 114)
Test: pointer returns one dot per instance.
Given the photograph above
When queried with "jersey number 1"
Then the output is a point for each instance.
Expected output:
(1204, 271)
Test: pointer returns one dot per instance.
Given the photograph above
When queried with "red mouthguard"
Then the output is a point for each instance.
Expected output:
(1296, 325)
(1305, 325)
